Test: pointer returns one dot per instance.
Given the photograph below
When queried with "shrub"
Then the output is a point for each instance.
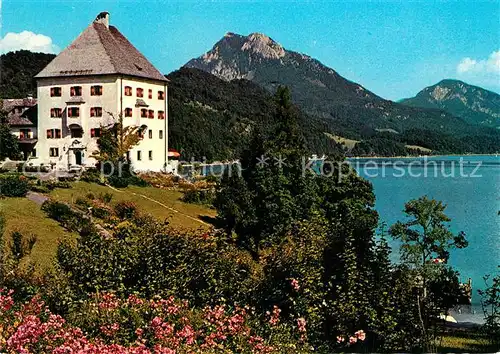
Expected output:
(28, 167)
(83, 203)
(199, 196)
(118, 182)
(490, 302)
(59, 184)
(101, 212)
(153, 260)
(108, 324)
(159, 179)
(73, 220)
(13, 185)
(105, 197)
(57, 210)
(91, 175)
(125, 209)
(66, 179)
(39, 188)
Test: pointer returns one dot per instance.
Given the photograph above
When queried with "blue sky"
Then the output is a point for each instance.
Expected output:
(394, 48)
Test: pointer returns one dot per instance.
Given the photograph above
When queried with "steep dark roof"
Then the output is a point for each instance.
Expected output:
(98, 50)
(9, 103)
(28, 115)
(18, 119)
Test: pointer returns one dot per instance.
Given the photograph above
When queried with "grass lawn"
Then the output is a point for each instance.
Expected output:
(348, 143)
(416, 147)
(167, 206)
(465, 342)
(25, 216)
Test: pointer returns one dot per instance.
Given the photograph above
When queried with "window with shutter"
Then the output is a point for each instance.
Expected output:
(76, 91)
(55, 92)
(96, 90)
(73, 112)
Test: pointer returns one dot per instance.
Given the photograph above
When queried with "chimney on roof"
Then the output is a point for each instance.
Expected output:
(103, 18)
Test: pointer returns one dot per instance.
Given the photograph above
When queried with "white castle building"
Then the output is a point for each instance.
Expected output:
(88, 85)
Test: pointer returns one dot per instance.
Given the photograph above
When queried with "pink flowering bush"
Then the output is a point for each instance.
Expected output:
(107, 324)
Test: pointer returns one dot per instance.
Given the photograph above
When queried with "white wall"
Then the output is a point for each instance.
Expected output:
(112, 100)
(16, 130)
(157, 146)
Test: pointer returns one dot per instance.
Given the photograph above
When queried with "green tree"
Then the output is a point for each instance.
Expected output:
(260, 204)
(426, 243)
(264, 205)
(426, 236)
(115, 141)
(490, 302)
(9, 147)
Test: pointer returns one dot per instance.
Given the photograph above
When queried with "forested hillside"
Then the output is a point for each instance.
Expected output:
(471, 103)
(17, 70)
(213, 118)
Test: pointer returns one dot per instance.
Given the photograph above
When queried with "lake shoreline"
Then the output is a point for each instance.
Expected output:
(415, 157)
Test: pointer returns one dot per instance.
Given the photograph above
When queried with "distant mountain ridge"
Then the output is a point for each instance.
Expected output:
(473, 104)
(214, 118)
(318, 89)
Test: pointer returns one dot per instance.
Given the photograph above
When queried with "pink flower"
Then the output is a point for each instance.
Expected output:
(361, 335)
(353, 340)
(340, 339)
(155, 322)
(275, 317)
(301, 324)
(295, 284)
(139, 332)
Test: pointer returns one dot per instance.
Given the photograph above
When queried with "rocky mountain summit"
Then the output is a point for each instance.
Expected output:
(319, 90)
(473, 104)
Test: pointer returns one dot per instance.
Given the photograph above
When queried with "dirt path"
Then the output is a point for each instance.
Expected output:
(36, 197)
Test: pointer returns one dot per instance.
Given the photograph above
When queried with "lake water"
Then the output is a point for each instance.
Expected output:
(469, 185)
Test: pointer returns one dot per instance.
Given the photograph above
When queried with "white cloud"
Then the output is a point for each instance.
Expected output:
(29, 41)
(484, 71)
(465, 65)
(489, 65)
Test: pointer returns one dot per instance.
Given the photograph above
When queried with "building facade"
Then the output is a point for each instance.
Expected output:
(97, 78)
(21, 116)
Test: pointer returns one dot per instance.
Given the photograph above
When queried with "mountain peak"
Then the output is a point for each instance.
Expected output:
(234, 55)
(472, 103)
(263, 45)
